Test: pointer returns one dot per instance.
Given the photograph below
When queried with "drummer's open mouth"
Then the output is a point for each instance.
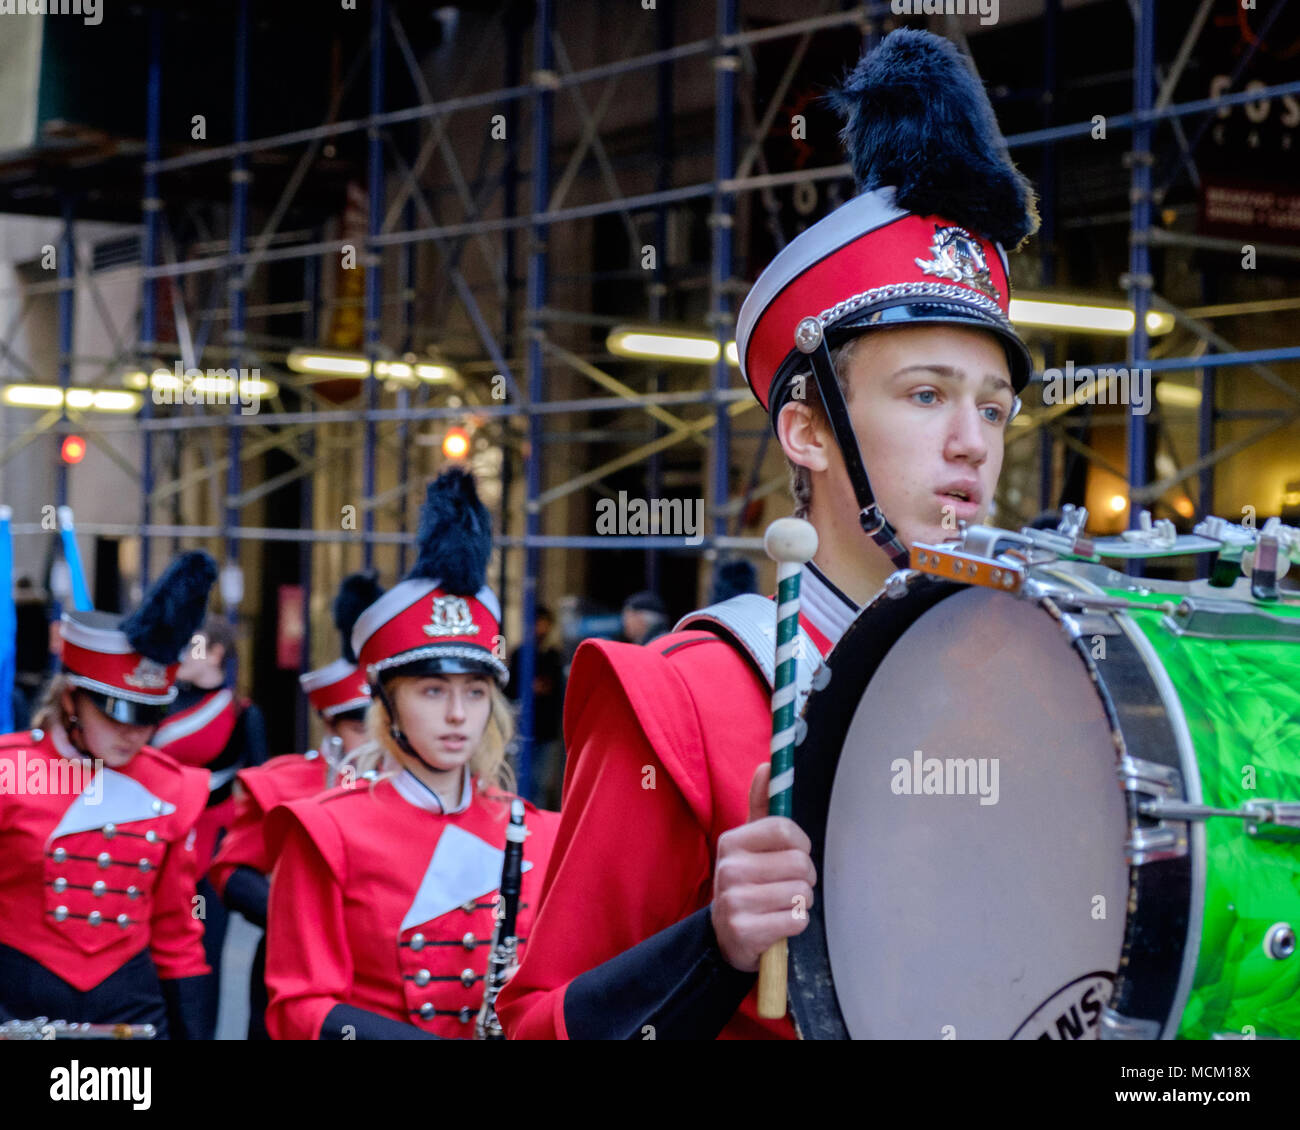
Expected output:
(965, 490)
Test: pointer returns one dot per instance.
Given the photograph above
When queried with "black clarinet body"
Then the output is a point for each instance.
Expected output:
(503, 953)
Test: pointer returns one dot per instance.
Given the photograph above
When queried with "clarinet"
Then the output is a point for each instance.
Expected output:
(42, 1028)
(502, 955)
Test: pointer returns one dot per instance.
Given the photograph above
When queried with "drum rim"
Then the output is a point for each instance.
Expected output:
(1190, 772)
(822, 1018)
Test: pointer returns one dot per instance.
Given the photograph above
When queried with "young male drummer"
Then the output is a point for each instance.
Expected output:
(667, 881)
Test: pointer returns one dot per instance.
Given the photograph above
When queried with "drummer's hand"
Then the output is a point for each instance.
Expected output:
(763, 881)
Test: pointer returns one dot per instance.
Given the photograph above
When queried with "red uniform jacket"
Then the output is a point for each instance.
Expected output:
(662, 743)
(92, 871)
(197, 735)
(380, 902)
(262, 787)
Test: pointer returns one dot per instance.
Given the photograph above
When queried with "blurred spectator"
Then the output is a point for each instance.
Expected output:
(548, 710)
(33, 662)
(645, 617)
(734, 577)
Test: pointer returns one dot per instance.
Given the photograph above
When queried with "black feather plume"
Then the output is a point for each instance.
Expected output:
(357, 593)
(735, 577)
(455, 535)
(916, 117)
(173, 608)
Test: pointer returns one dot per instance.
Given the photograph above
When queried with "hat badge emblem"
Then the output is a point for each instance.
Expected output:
(147, 676)
(959, 256)
(451, 617)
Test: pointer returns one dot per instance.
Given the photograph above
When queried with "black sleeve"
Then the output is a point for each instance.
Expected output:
(254, 735)
(247, 891)
(366, 1025)
(189, 1008)
(676, 982)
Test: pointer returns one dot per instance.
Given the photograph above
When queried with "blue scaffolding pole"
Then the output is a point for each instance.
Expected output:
(67, 314)
(236, 284)
(1205, 422)
(1139, 280)
(151, 206)
(543, 104)
(1047, 494)
(374, 265)
(725, 64)
(659, 283)
(307, 509)
(403, 395)
(514, 65)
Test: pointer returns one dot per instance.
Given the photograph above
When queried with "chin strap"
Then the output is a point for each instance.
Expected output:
(397, 734)
(811, 342)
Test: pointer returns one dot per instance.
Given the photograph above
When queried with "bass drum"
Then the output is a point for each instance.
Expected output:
(971, 777)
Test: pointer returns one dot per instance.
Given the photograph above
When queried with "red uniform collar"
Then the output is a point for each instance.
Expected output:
(414, 791)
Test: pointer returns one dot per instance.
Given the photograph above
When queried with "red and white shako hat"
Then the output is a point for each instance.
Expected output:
(442, 619)
(128, 665)
(339, 688)
(922, 242)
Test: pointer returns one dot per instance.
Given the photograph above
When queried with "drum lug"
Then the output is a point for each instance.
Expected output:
(1163, 783)
(1085, 625)
(1150, 845)
(1149, 778)
(1116, 1026)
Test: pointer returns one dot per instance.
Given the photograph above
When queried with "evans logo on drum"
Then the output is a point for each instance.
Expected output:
(1070, 1013)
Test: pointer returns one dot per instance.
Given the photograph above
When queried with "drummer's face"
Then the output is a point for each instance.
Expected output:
(114, 743)
(930, 405)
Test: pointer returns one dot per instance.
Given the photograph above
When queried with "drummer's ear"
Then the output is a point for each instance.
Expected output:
(805, 437)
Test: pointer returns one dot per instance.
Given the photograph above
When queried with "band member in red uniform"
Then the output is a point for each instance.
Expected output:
(901, 298)
(241, 872)
(211, 727)
(381, 908)
(97, 859)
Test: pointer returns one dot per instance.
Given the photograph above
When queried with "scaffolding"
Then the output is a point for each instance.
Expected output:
(403, 221)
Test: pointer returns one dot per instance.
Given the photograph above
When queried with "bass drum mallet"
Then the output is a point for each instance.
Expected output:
(791, 543)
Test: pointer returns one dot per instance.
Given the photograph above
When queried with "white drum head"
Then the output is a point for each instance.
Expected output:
(983, 896)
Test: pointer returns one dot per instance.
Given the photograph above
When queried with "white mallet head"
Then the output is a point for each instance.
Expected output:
(791, 539)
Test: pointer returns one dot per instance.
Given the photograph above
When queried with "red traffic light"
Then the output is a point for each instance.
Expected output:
(455, 444)
(73, 449)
